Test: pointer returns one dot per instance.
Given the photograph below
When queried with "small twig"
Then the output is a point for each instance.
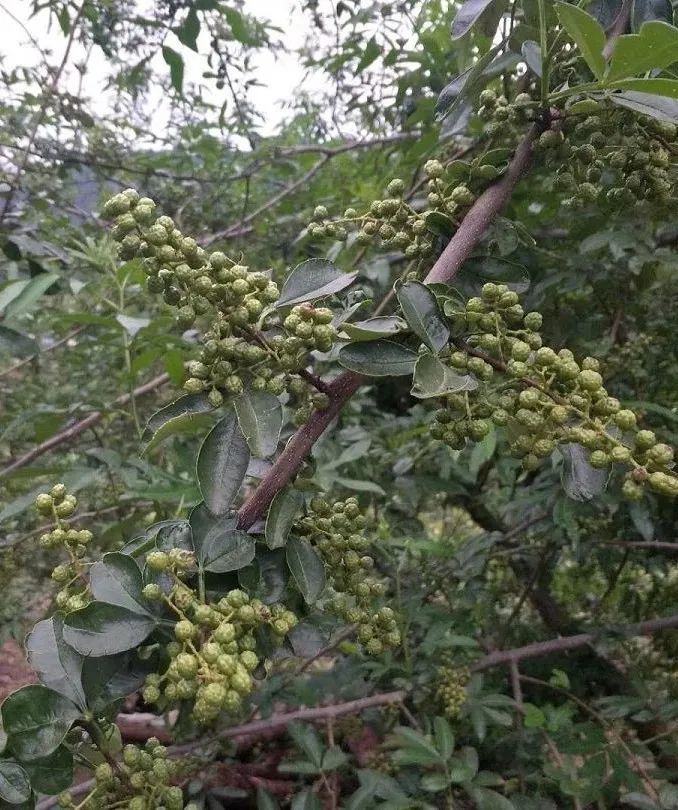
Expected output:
(6, 372)
(79, 427)
(314, 380)
(618, 28)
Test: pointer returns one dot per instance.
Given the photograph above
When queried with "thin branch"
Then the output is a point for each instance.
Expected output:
(618, 27)
(47, 349)
(79, 427)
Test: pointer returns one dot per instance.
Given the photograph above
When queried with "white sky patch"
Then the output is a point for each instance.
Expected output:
(281, 74)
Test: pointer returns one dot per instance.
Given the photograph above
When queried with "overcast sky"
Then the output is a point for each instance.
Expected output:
(280, 75)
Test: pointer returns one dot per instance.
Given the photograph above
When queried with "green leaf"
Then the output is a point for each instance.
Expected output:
(432, 378)
(306, 567)
(374, 328)
(532, 54)
(480, 269)
(14, 344)
(463, 87)
(283, 511)
(439, 223)
(112, 677)
(238, 25)
(307, 740)
(435, 782)
(56, 664)
(653, 48)
(50, 775)
(222, 464)
(489, 799)
(306, 800)
(659, 107)
(587, 34)
(533, 716)
(415, 748)
(15, 786)
(423, 315)
(219, 545)
(265, 801)
(468, 15)
(102, 629)
(642, 519)
(656, 87)
(378, 358)
(36, 720)
(176, 66)
(189, 30)
(30, 294)
(313, 279)
(371, 52)
(116, 579)
(444, 738)
(175, 418)
(260, 417)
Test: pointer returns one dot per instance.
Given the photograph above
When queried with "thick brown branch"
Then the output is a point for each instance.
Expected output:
(462, 244)
(78, 427)
(483, 211)
(558, 645)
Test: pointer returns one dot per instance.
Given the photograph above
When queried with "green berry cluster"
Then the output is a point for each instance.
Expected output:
(452, 680)
(142, 781)
(60, 505)
(337, 531)
(213, 655)
(544, 397)
(612, 156)
(502, 116)
(235, 301)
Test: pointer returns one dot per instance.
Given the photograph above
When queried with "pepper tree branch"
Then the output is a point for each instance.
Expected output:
(461, 246)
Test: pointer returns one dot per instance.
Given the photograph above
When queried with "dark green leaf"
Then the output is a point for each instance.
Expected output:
(30, 294)
(219, 545)
(653, 48)
(532, 55)
(655, 87)
(260, 417)
(189, 30)
(378, 358)
(587, 34)
(486, 799)
(102, 629)
(642, 520)
(51, 774)
(238, 25)
(57, 665)
(283, 511)
(468, 15)
(186, 414)
(371, 52)
(306, 568)
(265, 801)
(306, 800)
(14, 344)
(439, 223)
(176, 66)
(432, 378)
(36, 720)
(463, 87)
(313, 279)
(307, 740)
(444, 738)
(116, 579)
(435, 782)
(112, 677)
(659, 107)
(423, 315)
(374, 328)
(14, 783)
(222, 464)
(646, 10)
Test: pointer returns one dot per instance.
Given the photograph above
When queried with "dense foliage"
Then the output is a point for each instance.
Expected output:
(338, 454)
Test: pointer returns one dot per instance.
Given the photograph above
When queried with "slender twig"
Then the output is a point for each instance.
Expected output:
(47, 349)
(79, 427)
(618, 27)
